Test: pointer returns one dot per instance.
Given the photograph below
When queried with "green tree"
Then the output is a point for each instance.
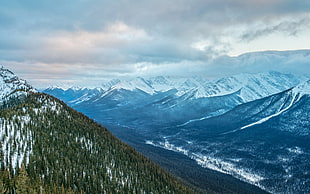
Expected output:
(22, 181)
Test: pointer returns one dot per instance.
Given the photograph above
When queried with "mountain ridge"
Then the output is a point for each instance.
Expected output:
(46, 146)
(249, 84)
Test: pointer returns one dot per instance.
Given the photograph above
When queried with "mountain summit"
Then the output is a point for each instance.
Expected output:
(11, 86)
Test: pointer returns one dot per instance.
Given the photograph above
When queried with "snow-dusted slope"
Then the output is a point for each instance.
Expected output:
(73, 95)
(302, 89)
(134, 84)
(15, 128)
(295, 95)
(250, 86)
(255, 86)
(11, 85)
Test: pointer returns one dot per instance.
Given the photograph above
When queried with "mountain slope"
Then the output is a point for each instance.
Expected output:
(47, 145)
(264, 142)
(73, 95)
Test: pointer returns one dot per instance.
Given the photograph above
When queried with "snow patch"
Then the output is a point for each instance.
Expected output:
(295, 150)
(213, 163)
(273, 115)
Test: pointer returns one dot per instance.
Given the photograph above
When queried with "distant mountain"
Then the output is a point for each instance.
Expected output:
(47, 147)
(73, 95)
(251, 86)
(195, 97)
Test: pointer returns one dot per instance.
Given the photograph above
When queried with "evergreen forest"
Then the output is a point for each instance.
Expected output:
(47, 147)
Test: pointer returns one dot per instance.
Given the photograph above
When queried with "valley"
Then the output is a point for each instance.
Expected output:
(253, 127)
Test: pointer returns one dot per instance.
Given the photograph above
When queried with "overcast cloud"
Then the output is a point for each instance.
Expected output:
(48, 42)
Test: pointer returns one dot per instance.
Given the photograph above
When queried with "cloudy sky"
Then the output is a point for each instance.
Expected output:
(88, 41)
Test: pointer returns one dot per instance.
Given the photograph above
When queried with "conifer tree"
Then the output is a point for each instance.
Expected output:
(22, 181)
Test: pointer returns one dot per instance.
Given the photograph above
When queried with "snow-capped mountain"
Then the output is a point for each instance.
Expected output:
(254, 86)
(11, 86)
(251, 86)
(195, 97)
(248, 86)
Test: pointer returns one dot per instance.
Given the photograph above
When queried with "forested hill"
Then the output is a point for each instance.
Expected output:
(50, 148)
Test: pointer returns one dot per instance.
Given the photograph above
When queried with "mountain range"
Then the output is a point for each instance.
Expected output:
(178, 100)
(254, 127)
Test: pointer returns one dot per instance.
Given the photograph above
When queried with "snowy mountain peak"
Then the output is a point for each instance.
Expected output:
(11, 85)
(135, 84)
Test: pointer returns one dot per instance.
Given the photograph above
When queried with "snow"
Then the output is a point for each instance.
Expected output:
(194, 120)
(135, 84)
(295, 150)
(12, 86)
(9, 133)
(227, 168)
(303, 88)
(249, 86)
(296, 93)
(82, 99)
(271, 116)
(211, 162)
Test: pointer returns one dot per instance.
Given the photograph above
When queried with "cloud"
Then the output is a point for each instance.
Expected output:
(78, 39)
(295, 62)
(289, 27)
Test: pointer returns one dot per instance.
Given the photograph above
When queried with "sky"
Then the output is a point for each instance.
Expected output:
(85, 42)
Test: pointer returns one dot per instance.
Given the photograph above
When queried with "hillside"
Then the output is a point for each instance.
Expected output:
(47, 146)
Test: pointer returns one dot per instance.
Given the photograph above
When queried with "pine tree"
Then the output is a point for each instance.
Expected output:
(22, 181)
